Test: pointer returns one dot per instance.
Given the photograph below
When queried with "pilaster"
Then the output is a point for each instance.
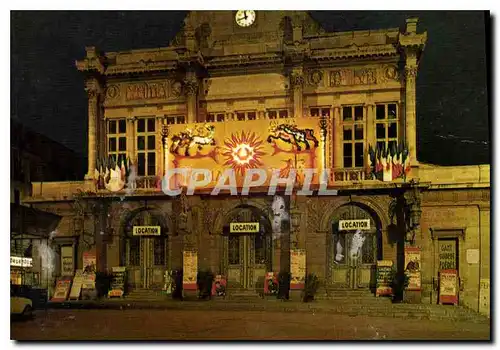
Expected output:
(93, 90)
(191, 91)
(297, 84)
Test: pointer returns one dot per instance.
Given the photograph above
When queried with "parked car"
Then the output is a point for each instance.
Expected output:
(20, 306)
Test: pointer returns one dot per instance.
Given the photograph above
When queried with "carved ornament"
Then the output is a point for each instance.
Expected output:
(297, 80)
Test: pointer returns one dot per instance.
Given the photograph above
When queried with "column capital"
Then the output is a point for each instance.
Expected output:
(297, 80)
(411, 72)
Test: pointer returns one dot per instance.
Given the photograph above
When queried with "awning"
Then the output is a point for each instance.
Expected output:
(30, 221)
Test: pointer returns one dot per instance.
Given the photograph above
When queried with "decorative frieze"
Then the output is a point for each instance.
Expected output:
(363, 76)
(143, 91)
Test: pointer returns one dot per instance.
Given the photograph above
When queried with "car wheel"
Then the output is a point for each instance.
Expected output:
(28, 312)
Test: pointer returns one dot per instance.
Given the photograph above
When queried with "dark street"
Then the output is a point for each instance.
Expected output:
(224, 325)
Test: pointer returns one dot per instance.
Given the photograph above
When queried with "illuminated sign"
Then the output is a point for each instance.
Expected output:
(250, 227)
(146, 230)
(21, 262)
(363, 224)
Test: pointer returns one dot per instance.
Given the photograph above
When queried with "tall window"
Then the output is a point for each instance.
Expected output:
(277, 113)
(215, 117)
(176, 120)
(319, 111)
(117, 139)
(387, 120)
(353, 120)
(146, 147)
(245, 116)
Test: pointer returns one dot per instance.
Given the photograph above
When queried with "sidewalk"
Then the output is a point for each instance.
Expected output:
(415, 311)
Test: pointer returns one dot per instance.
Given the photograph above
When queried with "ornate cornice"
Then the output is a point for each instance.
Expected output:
(354, 51)
(92, 63)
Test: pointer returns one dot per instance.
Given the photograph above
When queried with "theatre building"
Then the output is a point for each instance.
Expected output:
(274, 91)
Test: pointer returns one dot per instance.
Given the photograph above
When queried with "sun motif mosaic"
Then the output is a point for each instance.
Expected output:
(243, 151)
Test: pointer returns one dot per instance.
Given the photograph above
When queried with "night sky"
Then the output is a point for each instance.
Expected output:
(452, 95)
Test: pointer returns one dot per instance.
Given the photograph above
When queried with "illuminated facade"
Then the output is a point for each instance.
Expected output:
(278, 93)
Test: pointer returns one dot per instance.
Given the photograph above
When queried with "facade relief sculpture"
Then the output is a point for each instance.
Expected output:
(363, 76)
(143, 91)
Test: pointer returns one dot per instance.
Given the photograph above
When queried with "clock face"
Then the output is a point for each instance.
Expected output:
(245, 18)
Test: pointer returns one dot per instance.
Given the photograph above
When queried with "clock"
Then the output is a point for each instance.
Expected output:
(245, 18)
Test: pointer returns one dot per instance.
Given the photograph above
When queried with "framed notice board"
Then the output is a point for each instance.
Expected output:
(384, 277)
(448, 287)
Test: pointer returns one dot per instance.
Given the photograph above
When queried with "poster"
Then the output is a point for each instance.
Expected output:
(76, 287)
(169, 282)
(298, 268)
(219, 286)
(67, 264)
(117, 288)
(447, 254)
(271, 284)
(89, 262)
(448, 287)
(412, 268)
(384, 277)
(190, 270)
(62, 289)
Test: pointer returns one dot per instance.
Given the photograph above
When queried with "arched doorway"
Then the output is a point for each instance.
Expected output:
(354, 247)
(146, 253)
(247, 255)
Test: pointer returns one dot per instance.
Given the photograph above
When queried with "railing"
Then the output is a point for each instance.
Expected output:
(353, 174)
(148, 183)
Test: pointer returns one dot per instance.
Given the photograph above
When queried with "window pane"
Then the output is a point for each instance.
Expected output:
(134, 251)
(347, 113)
(367, 253)
(112, 145)
(380, 131)
(358, 113)
(151, 125)
(141, 143)
(180, 119)
(220, 117)
(260, 249)
(240, 116)
(159, 250)
(141, 164)
(122, 126)
(170, 120)
(251, 115)
(358, 132)
(393, 130)
(347, 133)
(380, 111)
(314, 112)
(122, 144)
(112, 127)
(347, 162)
(210, 118)
(393, 145)
(151, 164)
(381, 145)
(325, 112)
(284, 113)
(141, 125)
(339, 248)
(272, 114)
(392, 111)
(151, 142)
(234, 250)
(348, 149)
(358, 154)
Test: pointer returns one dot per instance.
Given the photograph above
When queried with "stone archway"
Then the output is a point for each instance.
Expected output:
(146, 255)
(247, 256)
(352, 253)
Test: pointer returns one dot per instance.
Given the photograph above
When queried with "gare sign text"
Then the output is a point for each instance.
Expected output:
(250, 227)
(146, 230)
(363, 224)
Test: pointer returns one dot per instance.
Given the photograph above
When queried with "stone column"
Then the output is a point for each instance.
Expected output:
(131, 138)
(297, 83)
(191, 91)
(93, 111)
(337, 138)
(410, 112)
